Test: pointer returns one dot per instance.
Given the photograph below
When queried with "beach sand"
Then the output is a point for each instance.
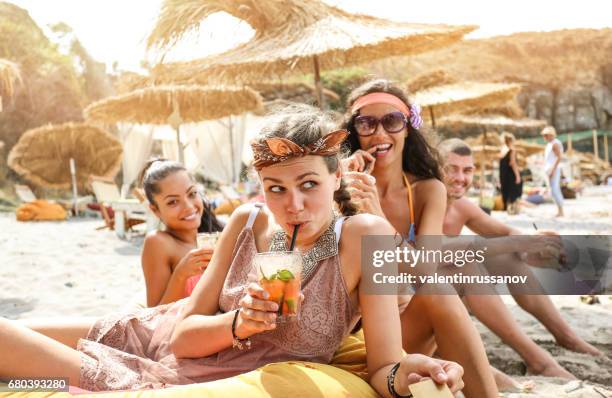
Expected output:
(54, 269)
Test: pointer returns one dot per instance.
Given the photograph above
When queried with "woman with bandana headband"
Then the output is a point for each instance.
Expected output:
(228, 325)
(393, 172)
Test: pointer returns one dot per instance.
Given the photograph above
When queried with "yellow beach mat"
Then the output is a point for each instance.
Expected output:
(40, 210)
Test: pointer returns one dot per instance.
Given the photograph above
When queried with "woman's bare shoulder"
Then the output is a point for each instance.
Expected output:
(366, 224)
(241, 215)
(159, 245)
(432, 185)
(158, 238)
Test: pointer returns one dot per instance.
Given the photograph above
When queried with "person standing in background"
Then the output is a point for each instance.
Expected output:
(510, 175)
(553, 154)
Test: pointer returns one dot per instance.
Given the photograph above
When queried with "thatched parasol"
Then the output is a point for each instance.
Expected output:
(174, 105)
(9, 75)
(269, 91)
(511, 109)
(291, 37)
(437, 77)
(42, 155)
(294, 92)
(456, 123)
(464, 97)
(528, 148)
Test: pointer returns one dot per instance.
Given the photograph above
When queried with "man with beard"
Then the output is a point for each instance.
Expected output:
(458, 177)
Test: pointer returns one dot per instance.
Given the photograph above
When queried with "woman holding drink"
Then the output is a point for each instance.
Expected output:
(172, 260)
(229, 324)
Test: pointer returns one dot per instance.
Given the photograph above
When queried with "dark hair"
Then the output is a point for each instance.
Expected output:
(304, 124)
(454, 145)
(209, 223)
(153, 172)
(419, 157)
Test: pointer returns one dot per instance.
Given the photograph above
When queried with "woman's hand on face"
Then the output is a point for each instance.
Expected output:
(257, 313)
(364, 193)
(361, 161)
(416, 367)
(194, 262)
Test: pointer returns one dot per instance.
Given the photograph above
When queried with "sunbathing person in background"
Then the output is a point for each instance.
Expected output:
(171, 262)
(229, 325)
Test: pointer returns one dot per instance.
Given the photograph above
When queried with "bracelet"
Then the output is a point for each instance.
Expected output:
(391, 383)
(241, 344)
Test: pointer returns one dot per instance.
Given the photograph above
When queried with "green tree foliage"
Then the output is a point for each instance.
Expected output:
(51, 91)
(342, 82)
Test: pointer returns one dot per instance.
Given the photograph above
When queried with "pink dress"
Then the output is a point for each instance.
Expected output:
(131, 351)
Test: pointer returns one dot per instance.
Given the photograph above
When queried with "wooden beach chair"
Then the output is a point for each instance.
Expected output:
(108, 197)
(24, 193)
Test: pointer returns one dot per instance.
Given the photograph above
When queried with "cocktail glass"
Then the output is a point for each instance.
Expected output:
(280, 274)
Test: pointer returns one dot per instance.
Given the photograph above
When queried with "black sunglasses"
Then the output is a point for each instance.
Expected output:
(393, 122)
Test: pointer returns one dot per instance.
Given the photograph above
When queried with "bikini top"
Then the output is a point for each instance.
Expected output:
(412, 229)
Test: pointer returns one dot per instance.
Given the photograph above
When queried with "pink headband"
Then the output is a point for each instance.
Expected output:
(380, 98)
(413, 114)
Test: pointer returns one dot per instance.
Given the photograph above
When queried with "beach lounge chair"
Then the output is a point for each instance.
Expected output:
(125, 214)
(25, 194)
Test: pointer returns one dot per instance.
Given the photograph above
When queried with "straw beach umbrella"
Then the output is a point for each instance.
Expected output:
(9, 76)
(456, 123)
(465, 97)
(42, 155)
(291, 37)
(174, 105)
(436, 77)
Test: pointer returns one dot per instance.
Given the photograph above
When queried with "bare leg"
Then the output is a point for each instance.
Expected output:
(540, 306)
(506, 383)
(543, 309)
(67, 331)
(25, 353)
(446, 319)
(492, 312)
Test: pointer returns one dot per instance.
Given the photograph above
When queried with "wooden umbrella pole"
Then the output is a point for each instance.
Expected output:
(482, 166)
(606, 156)
(595, 148)
(570, 143)
(231, 139)
(75, 195)
(432, 116)
(181, 152)
(317, 81)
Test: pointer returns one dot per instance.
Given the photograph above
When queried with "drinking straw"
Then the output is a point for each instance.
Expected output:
(295, 231)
